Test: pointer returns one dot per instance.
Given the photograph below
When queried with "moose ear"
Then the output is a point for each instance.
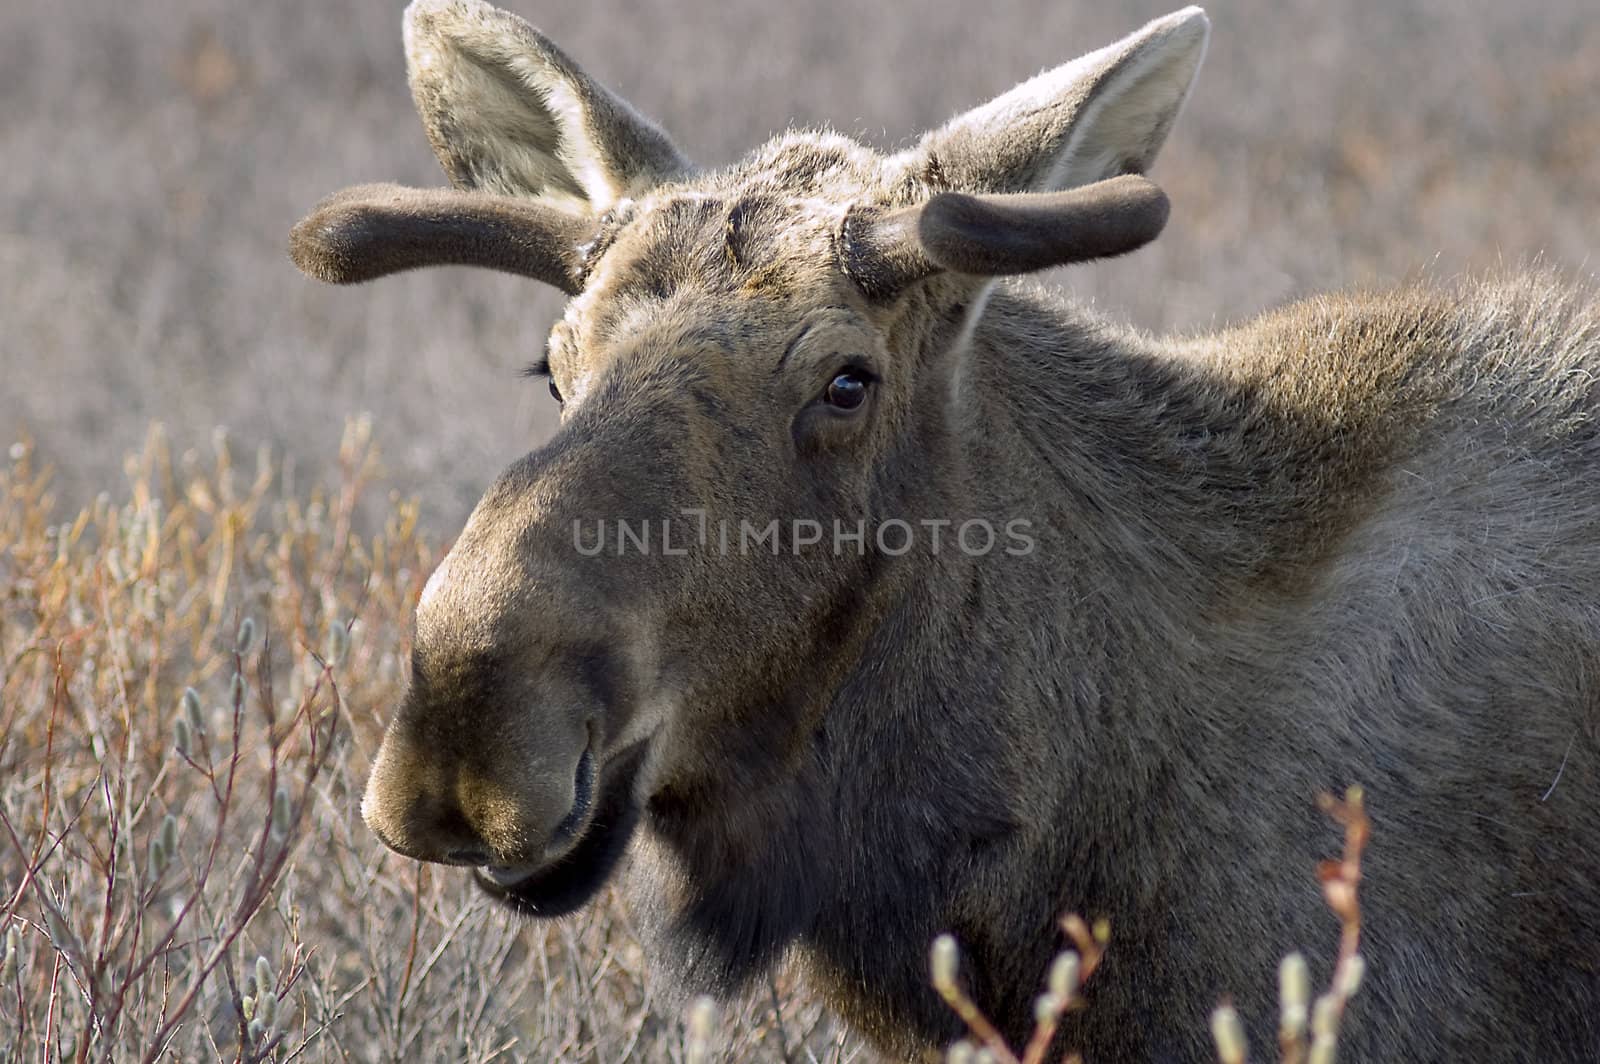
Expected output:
(507, 112)
(1099, 116)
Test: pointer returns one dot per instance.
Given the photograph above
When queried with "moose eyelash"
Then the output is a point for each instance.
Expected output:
(859, 365)
(538, 368)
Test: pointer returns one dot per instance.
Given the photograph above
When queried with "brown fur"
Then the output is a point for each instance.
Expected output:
(1356, 541)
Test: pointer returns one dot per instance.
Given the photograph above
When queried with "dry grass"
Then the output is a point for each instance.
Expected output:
(154, 844)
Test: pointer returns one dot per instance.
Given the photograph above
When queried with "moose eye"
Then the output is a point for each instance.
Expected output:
(847, 390)
(541, 368)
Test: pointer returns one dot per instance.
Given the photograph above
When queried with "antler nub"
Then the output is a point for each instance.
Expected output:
(373, 230)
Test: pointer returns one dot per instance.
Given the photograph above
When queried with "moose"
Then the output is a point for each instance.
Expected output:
(1355, 541)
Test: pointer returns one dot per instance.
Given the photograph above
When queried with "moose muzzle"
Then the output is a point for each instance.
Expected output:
(430, 799)
(494, 758)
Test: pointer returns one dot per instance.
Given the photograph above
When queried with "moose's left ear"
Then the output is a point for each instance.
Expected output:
(508, 112)
(1099, 116)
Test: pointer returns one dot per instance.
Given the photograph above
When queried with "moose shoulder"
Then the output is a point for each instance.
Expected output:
(862, 596)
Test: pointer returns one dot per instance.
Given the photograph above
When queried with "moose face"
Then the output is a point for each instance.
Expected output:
(619, 602)
(758, 366)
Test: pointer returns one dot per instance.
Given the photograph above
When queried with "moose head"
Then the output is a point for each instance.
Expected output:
(778, 339)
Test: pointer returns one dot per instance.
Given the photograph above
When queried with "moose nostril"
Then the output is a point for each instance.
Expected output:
(435, 829)
(454, 839)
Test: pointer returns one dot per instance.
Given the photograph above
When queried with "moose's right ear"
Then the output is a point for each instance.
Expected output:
(507, 112)
(1101, 115)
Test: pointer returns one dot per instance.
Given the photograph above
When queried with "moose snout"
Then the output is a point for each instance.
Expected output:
(430, 806)
(495, 755)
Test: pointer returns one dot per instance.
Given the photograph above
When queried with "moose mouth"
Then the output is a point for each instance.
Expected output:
(567, 883)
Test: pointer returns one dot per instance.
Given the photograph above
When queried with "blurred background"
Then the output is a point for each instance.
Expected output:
(156, 154)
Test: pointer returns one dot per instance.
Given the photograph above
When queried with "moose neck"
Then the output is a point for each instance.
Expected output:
(1182, 505)
(1215, 477)
(1181, 510)
(1171, 485)
(1187, 503)
(1197, 488)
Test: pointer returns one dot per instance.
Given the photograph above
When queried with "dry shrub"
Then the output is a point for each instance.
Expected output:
(194, 680)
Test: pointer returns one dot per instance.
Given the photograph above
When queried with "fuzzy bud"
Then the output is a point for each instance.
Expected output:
(191, 710)
(60, 934)
(265, 980)
(959, 1053)
(160, 856)
(257, 1031)
(280, 812)
(1294, 981)
(944, 959)
(1325, 1017)
(236, 690)
(248, 1005)
(1350, 974)
(1228, 1033)
(1294, 996)
(983, 1055)
(1064, 975)
(9, 964)
(337, 645)
(169, 835)
(182, 736)
(1047, 1008)
(699, 1025)
(246, 636)
(267, 1008)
